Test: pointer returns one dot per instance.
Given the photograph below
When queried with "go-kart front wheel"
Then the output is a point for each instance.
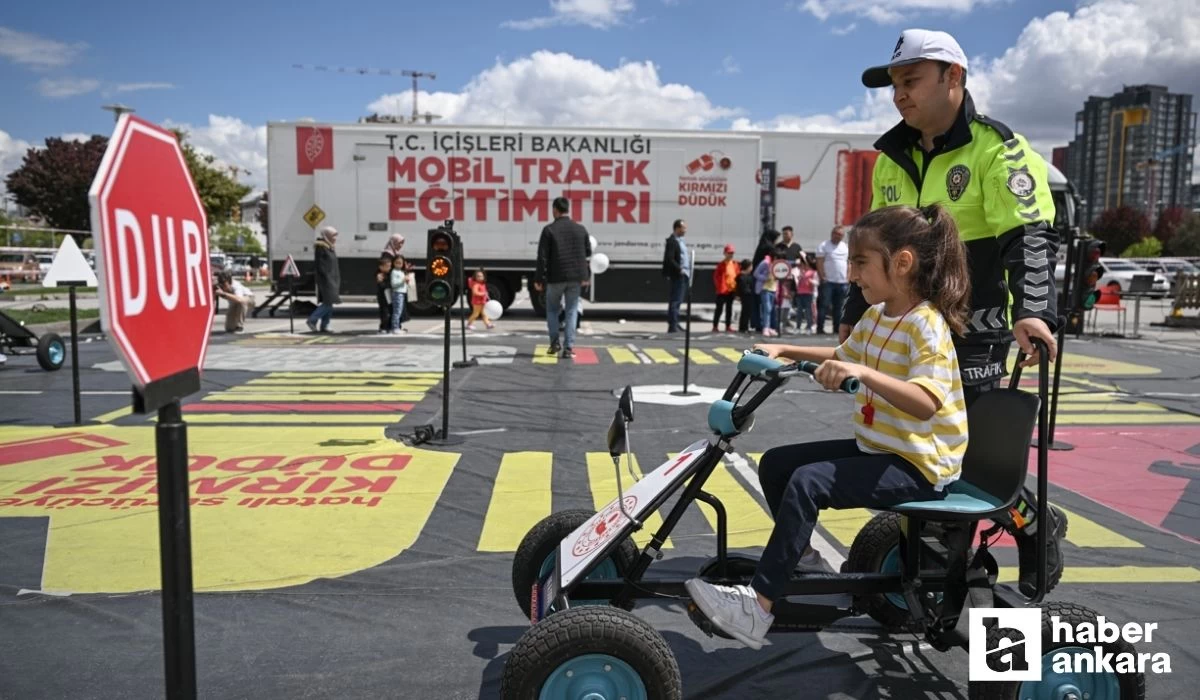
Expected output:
(591, 653)
(538, 553)
(876, 549)
(1058, 686)
(51, 352)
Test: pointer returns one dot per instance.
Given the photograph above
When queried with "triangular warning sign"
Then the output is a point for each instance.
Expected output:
(289, 268)
(69, 268)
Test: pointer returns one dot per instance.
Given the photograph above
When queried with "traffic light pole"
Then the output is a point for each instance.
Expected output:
(462, 310)
(444, 437)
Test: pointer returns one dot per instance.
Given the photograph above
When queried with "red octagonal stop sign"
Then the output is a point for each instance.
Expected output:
(152, 236)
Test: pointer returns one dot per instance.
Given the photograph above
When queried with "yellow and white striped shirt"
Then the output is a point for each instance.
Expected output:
(920, 351)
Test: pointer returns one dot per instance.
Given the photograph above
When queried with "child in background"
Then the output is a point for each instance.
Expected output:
(479, 297)
(725, 280)
(765, 286)
(805, 280)
(383, 287)
(745, 292)
(399, 287)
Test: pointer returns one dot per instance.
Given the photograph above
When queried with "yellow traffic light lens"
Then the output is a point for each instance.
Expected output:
(439, 267)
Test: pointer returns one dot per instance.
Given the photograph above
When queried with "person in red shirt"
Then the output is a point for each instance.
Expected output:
(479, 297)
(725, 281)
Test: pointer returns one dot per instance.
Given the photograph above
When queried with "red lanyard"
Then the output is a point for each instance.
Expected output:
(868, 410)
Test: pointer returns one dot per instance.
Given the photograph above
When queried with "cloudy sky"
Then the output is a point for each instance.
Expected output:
(223, 73)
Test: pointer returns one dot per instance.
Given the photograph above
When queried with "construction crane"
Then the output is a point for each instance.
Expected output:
(414, 74)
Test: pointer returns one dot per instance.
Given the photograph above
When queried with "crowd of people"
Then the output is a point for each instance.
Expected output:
(813, 288)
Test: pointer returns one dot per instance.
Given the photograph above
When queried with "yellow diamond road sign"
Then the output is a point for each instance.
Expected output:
(314, 216)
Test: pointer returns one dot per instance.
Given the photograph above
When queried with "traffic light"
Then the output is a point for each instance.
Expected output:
(1088, 272)
(443, 267)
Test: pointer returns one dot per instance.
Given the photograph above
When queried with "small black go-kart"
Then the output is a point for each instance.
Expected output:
(577, 574)
(16, 339)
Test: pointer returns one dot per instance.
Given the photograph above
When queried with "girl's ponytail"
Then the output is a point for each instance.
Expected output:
(947, 281)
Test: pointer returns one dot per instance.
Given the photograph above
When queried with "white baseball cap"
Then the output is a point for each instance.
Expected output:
(914, 46)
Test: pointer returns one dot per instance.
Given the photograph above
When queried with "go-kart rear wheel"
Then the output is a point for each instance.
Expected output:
(1056, 686)
(876, 549)
(51, 352)
(591, 653)
(538, 553)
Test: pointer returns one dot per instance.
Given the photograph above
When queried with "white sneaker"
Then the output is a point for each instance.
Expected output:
(470, 326)
(734, 609)
(812, 560)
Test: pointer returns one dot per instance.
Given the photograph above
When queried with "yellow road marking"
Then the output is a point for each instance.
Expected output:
(294, 418)
(622, 356)
(520, 498)
(700, 357)
(748, 523)
(603, 482)
(541, 358)
(662, 356)
(313, 396)
(113, 415)
(1117, 574)
(729, 354)
(844, 525)
(1088, 533)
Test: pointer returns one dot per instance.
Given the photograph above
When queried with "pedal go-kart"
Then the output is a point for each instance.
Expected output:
(16, 339)
(577, 574)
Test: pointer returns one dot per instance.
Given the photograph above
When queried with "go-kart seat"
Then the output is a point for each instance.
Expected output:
(1000, 429)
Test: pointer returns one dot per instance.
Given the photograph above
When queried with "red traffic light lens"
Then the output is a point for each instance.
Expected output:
(441, 244)
(1094, 255)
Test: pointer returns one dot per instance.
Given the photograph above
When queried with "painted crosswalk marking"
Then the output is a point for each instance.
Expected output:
(603, 482)
(520, 498)
(747, 522)
(662, 356)
(622, 356)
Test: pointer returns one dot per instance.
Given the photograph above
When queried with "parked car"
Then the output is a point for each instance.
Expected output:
(1120, 271)
(1169, 268)
(45, 260)
(20, 267)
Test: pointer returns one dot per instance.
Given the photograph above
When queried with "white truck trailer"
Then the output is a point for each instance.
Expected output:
(497, 183)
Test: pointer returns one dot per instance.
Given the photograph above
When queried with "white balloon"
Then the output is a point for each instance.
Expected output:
(592, 240)
(599, 263)
(493, 309)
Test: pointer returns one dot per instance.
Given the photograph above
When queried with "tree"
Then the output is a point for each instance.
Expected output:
(1120, 227)
(1186, 241)
(1146, 248)
(220, 194)
(264, 211)
(1167, 222)
(235, 238)
(53, 182)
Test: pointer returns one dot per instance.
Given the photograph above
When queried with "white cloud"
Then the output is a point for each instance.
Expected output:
(729, 67)
(232, 142)
(598, 14)
(549, 88)
(12, 153)
(134, 87)
(874, 115)
(843, 31)
(76, 136)
(66, 87)
(894, 11)
(36, 51)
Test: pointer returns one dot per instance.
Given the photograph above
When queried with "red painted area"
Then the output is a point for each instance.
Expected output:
(1112, 466)
(586, 356)
(298, 407)
(53, 446)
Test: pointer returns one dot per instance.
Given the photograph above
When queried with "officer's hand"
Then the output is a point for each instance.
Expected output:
(832, 373)
(537, 286)
(844, 332)
(773, 350)
(1028, 328)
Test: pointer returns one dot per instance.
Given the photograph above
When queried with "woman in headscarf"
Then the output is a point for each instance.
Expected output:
(328, 279)
(394, 245)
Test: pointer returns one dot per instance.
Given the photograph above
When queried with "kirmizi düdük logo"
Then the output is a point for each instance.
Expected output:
(1006, 645)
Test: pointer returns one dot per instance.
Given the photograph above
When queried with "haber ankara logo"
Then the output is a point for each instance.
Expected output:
(314, 149)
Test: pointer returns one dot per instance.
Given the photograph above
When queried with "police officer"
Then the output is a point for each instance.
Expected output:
(995, 187)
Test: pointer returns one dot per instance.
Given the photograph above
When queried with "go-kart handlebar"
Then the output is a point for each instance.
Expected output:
(757, 364)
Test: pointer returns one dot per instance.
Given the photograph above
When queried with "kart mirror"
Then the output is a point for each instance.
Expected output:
(618, 437)
(626, 403)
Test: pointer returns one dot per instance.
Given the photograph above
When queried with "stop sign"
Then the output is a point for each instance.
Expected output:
(155, 286)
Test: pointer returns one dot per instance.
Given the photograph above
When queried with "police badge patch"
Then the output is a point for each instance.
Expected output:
(1021, 183)
(956, 181)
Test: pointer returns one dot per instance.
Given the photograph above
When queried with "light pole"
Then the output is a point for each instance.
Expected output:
(118, 109)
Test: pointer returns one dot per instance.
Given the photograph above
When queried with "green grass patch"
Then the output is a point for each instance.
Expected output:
(30, 317)
(25, 292)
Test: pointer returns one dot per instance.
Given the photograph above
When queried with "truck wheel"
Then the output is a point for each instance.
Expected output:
(498, 290)
(1095, 686)
(591, 654)
(876, 549)
(51, 352)
(538, 553)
